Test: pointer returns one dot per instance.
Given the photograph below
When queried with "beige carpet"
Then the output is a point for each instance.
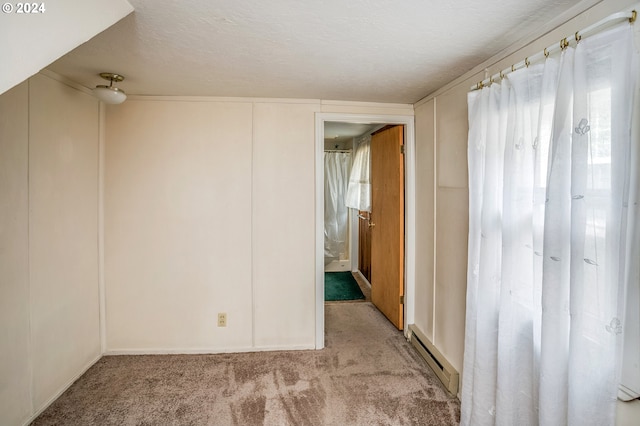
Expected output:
(367, 375)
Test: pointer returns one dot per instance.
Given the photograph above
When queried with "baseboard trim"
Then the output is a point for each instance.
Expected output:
(338, 266)
(205, 351)
(61, 391)
(364, 279)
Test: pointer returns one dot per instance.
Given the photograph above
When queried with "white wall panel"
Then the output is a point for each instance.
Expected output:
(451, 273)
(283, 224)
(63, 245)
(452, 217)
(425, 211)
(452, 130)
(15, 379)
(178, 226)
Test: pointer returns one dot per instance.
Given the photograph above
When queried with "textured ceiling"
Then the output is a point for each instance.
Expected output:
(359, 50)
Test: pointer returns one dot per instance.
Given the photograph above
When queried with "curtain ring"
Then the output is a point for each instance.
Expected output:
(512, 68)
(578, 37)
(564, 44)
(479, 85)
(502, 75)
(546, 53)
(526, 62)
(634, 15)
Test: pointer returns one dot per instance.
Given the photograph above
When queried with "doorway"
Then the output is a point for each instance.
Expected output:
(409, 213)
(342, 142)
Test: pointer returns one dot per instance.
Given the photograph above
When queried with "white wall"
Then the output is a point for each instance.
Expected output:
(49, 306)
(452, 213)
(441, 137)
(283, 220)
(425, 211)
(210, 207)
(444, 297)
(178, 225)
(15, 383)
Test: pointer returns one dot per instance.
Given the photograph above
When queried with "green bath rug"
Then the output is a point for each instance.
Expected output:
(341, 286)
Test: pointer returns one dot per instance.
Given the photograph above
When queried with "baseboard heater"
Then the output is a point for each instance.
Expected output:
(445, 371)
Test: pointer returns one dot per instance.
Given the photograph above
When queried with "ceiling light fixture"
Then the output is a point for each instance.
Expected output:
(110, 94)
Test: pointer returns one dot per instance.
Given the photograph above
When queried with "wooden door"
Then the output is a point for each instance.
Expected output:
(387, 220)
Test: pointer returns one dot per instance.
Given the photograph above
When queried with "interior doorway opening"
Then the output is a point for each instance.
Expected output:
(336, 132)
(346, 192)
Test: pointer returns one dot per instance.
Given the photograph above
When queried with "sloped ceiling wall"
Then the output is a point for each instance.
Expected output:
(31, 41)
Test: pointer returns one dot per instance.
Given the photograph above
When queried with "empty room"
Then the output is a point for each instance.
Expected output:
(183, 184)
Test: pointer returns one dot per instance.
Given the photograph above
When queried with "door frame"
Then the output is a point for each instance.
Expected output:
(409, 214)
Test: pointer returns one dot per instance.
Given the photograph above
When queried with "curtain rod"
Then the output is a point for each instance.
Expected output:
(564, 43)
(337, 150)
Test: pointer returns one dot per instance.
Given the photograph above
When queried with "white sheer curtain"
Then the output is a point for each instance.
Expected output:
(337, 166)
(549, 174)
(359, 189)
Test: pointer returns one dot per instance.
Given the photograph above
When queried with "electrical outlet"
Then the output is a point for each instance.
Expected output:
(222, 319)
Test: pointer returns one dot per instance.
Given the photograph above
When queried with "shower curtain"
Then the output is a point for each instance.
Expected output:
(337, 166)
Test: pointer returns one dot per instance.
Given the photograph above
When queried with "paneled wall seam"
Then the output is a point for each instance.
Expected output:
(435, 216)
(101, 277)
(253, 295)
(30, 342)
